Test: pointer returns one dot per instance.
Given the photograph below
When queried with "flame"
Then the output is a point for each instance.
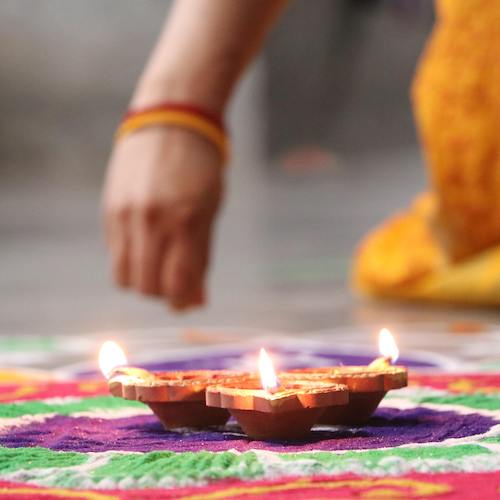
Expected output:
(387, 345)
(268, 377)
(111, 356)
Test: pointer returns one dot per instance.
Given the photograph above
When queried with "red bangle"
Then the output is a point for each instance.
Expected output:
(192, 109)
(188, 116)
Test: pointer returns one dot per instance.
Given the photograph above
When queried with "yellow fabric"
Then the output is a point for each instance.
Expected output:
(446, 247)
(403, 259)
(183, 119)
(456, 101)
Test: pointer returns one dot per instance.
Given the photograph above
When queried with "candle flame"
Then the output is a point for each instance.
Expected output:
(111, 356)
(387, 345)
(268, 377)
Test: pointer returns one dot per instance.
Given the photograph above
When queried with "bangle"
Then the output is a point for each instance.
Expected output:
(215, 118)
(187, 116)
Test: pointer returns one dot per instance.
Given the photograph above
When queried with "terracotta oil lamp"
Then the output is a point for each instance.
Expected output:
(269, 409)
(367, 384)
(176, 398)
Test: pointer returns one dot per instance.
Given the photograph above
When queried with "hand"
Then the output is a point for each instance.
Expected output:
(163, 189)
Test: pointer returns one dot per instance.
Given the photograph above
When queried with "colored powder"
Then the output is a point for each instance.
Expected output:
(390, 427)
(201, 465)
(12, 459)
(35, 407)
(478, 401)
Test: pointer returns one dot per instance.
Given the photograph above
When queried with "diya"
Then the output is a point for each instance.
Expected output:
(176, 398)
(265, 406)
(269, 409)
(367, 384)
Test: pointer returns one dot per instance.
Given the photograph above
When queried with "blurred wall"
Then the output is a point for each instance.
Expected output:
(339, 73)
(67, 71)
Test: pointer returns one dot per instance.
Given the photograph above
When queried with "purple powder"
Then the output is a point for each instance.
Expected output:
(389, 427)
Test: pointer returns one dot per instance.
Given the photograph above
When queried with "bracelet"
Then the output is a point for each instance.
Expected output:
(187, 116)
(178, 106)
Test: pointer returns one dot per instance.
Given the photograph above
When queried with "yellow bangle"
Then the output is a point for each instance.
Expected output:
(184, 119)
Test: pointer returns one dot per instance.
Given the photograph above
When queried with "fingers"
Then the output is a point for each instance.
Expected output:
(155, 257)
(119, 246)
(199, 294)
(183, 269)
(148, 242)
(121, 261)
(136, 244)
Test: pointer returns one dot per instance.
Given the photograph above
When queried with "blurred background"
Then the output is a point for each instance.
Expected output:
(324, 149)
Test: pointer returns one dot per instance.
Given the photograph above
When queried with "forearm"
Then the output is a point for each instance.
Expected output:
(203, 49)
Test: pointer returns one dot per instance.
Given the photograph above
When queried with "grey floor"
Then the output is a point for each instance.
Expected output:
(282, 254)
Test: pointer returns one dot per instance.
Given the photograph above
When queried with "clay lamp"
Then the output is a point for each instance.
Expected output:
(269, 409)
(176, 398)
(367, 384)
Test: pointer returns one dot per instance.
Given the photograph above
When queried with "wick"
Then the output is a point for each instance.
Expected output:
(381, 362)
(274, 390)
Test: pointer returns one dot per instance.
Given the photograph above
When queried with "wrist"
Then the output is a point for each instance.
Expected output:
(181, 115)
(207, 89)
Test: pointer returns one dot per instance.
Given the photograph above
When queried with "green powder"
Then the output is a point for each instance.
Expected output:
(148, 469)
(492, 439)
(477, 401)
(205, 465)
(372, 458)
(14, 410)
(13, 459)
(189, 465)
